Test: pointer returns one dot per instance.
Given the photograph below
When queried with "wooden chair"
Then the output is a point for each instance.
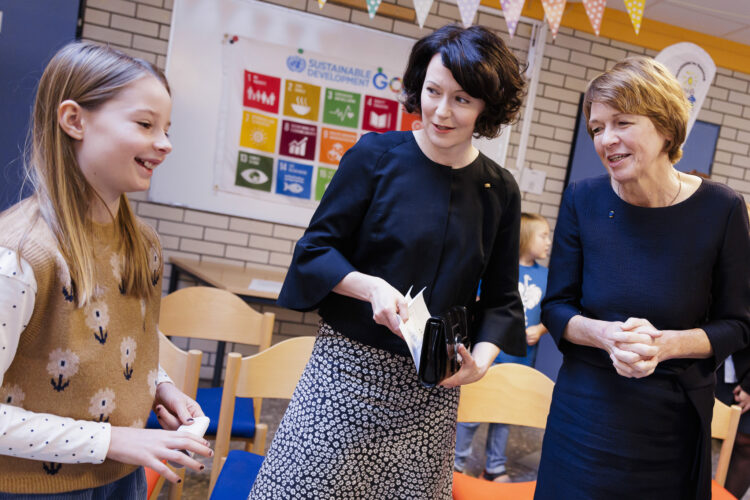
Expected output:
(272, 373)
(184, 370)
(508, 394)
(724, 426)
(214, 314)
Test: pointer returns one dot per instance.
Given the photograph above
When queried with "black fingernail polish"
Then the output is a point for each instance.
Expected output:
(203, 467)
(179, 480)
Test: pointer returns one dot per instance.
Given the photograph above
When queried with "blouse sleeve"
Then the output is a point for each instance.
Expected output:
(728, 328)
(562, 300)
(502, 310)
(27, 434)
(321, 256)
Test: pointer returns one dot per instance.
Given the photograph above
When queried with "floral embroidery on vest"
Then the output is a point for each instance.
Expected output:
(62, 366)
(127, 356)
(102, 404)
(97, 318)
(12, 394)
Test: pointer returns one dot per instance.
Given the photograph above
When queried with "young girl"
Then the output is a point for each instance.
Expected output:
(532, 282)
(80, 288)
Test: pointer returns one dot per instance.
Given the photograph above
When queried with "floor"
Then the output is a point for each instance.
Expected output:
(524, 450)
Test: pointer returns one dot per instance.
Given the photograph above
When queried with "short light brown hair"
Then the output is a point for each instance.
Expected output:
(528, 223)
(643, 86)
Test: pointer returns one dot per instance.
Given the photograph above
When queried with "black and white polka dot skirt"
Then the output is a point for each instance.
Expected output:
(361, 426)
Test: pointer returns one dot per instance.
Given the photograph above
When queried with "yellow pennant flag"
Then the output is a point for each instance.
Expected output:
(321, 3)
(635, 11)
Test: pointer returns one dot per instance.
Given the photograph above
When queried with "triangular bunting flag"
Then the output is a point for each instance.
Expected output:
(635, 11)
(595, 11)
(468, 9)
(321, 3)
(512, 13)
(553, 9)
(372, 7)
(422, 8)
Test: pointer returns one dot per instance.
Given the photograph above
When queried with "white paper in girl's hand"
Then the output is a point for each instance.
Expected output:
(413, 328)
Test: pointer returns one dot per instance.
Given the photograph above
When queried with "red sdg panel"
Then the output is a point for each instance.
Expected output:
(262, 92)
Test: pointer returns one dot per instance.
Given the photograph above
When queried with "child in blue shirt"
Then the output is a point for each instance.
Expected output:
(532, 285)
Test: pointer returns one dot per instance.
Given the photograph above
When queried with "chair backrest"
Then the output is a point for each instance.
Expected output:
(272, 373)
(183, 367)
(724, 426)
(509, 393)
(214, 314)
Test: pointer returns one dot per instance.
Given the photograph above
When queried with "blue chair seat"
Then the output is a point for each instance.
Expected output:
(237, 476)
(243, 424)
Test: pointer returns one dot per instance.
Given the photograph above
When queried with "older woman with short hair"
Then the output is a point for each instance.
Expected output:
(648, 292)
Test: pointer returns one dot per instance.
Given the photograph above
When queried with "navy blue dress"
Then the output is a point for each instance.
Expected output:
(680, 267)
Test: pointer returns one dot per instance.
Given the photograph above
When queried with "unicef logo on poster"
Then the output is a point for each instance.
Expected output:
(296, 63)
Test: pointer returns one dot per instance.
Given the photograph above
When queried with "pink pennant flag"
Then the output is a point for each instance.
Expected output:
(372, 7)
(422, 8)
(468, 9)
(595, 11)
(553, 9)
(512, 13)
(635, 11)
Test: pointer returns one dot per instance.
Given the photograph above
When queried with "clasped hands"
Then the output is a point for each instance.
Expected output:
(635, 347)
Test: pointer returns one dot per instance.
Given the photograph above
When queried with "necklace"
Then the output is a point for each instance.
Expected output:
(679, 190)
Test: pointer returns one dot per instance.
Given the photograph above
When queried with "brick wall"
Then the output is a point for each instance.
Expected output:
(142, 28)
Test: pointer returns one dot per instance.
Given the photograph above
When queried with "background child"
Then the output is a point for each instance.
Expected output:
(80, 289)
(535, 245)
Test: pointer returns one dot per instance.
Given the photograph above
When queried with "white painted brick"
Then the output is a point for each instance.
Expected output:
(551, 171)
(743, 136)
(746, 113)
(270, 244)
(221, 260)
(134, 25)
(280, 259)
(738, 185)
(567, 68)
(731, 83)
(150, 44)
(562, 94)
(575, 84)
(168, 254)
(741, 161)
(560, 121)
(592, 73)
(247, 254)
(735, 122)
(288, 232)
(201, 247)
(555, 79)
(723, 156)
(535, 155)
(634, 49)
(549, 211)
(378, 22)
(495, 23)
(546, 104)
(715, 92)
(564, 135)
(719, 178)
(162, 16)
(741, 76)
(160, 211)
(728, 133)
(710, 116)
(553, 186)
(557, 52)
(154, 3)
(167, 241)
(550, 198)
(435, 21)
(119, 6)
(540, 130)
(151, 222)
(551, 145)
(102, 34)
(223, 236)
(734, 147)
(568, 109)
(728, 171)
(180, 229)
(251, 226)
(412, 30)
(147, 56)
(530, 207)
(608, 52)
(94, 16)
(559, 160)
(164, 32)
(161, 62)
(739, 97)
(329, 10)
(206, 219)
(726, 107)
(587, 60)
(168, 4)
(571, 42)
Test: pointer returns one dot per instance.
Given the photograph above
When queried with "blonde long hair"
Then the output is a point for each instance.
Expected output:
(90, 75)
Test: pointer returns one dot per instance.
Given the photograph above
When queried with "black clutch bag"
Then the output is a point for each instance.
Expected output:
(442, 334)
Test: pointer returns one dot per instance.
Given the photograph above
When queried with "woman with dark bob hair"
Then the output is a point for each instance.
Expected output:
(648, 293)
(423, 209)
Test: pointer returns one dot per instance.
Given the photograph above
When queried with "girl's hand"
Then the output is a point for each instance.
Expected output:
(173, 408)
(473, 367)
(534, 333)
(148, 447)
(388, 305)
(742, 398)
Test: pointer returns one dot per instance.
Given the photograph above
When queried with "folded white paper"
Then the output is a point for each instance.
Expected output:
(413, 328)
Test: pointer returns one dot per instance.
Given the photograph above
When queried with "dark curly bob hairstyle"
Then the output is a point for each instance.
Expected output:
(482, 65)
